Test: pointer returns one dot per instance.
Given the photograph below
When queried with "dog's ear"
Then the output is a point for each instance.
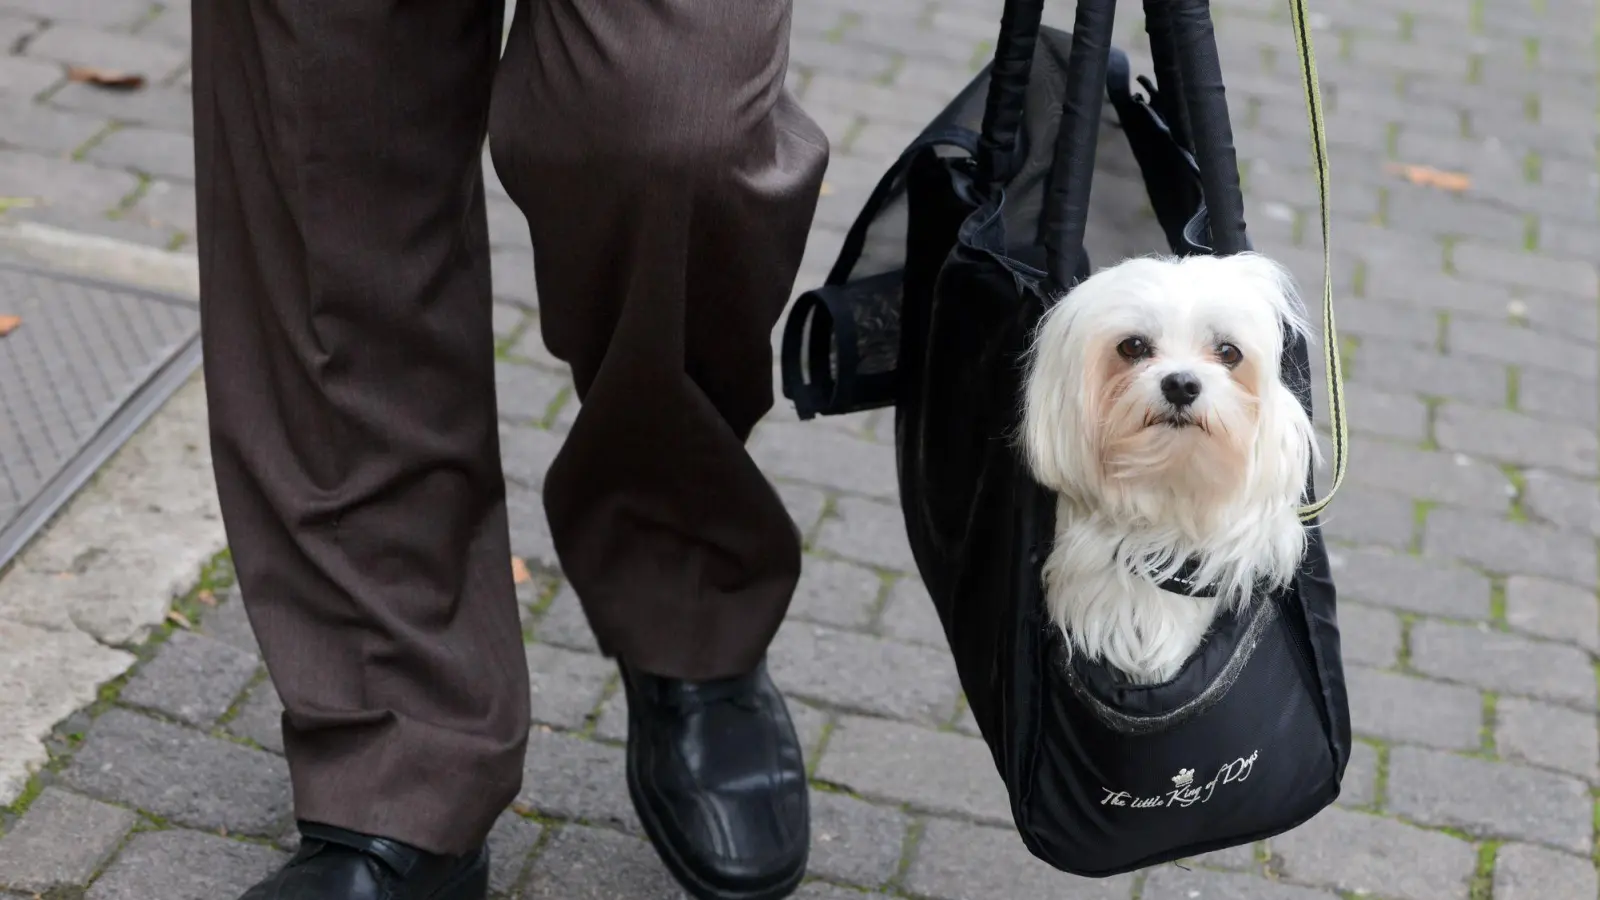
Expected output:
(1058, 403)
(1276, 286)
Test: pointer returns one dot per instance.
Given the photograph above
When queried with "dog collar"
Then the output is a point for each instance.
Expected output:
(1183, 581)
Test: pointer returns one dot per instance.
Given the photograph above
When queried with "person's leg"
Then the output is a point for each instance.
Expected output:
(669, 211)
(669, 182)
(349, 371)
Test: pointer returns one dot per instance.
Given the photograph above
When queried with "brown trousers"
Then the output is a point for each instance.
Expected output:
(669, 182)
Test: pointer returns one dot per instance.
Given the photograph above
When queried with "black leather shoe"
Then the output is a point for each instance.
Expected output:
(335, 864)
(717, 777)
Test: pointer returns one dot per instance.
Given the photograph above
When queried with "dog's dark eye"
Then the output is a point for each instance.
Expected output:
(1229, 355)
(1134, 348)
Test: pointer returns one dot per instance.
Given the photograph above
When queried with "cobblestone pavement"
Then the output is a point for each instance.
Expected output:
(1465, 546)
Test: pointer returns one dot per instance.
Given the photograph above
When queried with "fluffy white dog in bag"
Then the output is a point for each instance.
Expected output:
(1155, 409)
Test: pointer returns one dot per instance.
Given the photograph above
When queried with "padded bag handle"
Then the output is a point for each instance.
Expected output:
(1066, 205)
(1200, 73)
(998, 150)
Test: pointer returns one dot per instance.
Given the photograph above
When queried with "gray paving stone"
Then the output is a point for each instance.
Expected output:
(1501, 265)
(1371, 517)
(22, 79)
(821, 890)
(594, 864)
(530, 530)
(853, 841)
(1450, 478)
(184, 865)
(1241, 857)
(564, 625)
(160, 154)
(1368, 636)
(61, 841)
(84, 46)
(1489, 799)
(511, 842)
(1553, 610)
(566, 686)
(932, 770)
(530, 345)
(51, 131)
(960, 861)
(1368, 854)
(166, 204)
(1409, 584)
(1497, 661)
(1414, 710)
(1360, 784)
(869, 532)
(575, 778)
(229, 623)
(836, 593)
(526, 453)
(171, 25)
(805, 505)
(1360, 317)
(1547, 395)
(1512, 548)
(825, 459)
(181, 775)
(1383, 413)
(1523, 347)
(1172, 883)
(1503, 436)
(1543, 735)
(110, 13)
(865, 673)
(1527, 872)
(910, 615)
(1562, 501)
(512, 272)
(261, 717)
(508, 318)
(1400, 367)
(158, 107)
(525, 393)
(66, 186)
(193, 679)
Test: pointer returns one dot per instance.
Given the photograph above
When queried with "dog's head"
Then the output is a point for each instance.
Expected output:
(1154, 390)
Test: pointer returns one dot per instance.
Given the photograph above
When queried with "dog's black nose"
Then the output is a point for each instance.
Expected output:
(1180, 388)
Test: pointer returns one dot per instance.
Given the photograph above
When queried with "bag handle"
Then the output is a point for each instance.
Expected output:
(1200, 73)
(1008, 87)
(1065, 216)
(1332, 368)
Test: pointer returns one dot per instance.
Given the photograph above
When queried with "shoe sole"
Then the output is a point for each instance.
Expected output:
(692, 882)
(471, 883)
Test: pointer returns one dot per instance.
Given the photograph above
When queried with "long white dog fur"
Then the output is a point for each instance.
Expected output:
(1154, 408)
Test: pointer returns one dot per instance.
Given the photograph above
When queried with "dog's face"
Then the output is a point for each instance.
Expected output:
(1154, 388)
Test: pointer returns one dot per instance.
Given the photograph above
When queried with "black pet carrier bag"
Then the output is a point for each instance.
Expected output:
(970, 236)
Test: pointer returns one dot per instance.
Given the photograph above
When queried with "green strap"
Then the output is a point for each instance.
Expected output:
(1330, 334)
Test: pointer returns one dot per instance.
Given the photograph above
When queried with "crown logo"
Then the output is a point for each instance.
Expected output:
(1184, 778)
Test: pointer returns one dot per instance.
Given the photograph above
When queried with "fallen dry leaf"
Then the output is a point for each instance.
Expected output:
(519, 571)
(179, 619)
(207, 598)
(9, 324)
(1428, 176)
(826, 189)
(109, 78)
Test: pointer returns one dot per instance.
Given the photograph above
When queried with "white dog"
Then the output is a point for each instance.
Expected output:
(1154, 408)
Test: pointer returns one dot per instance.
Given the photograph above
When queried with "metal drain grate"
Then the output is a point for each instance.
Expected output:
(87, 366)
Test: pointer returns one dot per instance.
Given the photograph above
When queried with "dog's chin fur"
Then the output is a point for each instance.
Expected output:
(1144, 486)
